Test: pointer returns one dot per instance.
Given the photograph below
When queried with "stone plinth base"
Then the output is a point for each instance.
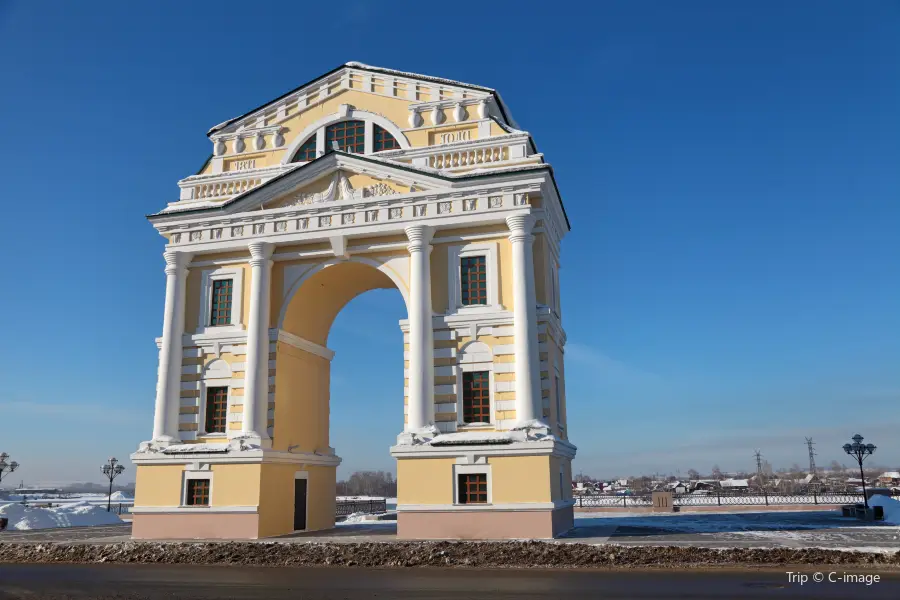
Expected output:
(487, 524)
(185, 526)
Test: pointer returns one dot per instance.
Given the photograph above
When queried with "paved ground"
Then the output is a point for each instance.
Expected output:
(151, 582)
(825, 529)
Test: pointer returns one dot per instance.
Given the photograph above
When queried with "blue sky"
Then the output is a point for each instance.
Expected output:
(731, 281)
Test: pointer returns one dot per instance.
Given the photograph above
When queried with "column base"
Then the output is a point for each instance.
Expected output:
(487, 524)
(186, 526)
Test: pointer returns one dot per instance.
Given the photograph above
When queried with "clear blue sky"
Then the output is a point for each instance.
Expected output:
(730, 169)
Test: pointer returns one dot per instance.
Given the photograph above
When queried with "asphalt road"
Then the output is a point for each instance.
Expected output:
(151, 582)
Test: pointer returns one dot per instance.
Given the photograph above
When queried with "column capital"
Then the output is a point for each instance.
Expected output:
(177, 261)
(260, 252)
(520, 227)
(419, 237)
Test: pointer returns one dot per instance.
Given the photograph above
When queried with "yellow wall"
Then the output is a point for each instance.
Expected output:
(235, 485)
(158, 485)
(276, 508)
(302, 383)
(519, 479)
(425, 480)
(322, 296)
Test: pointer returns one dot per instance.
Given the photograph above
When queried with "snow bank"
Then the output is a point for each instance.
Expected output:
(79, 514)
(891, 508)
(120, 497)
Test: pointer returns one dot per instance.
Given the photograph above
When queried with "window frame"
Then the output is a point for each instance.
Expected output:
(208, 379)
(387, 133)
(358, 123)
(455, 254)
(478, 469)
(473, 357)
(236, 274)
(205, 415)
(192, 475)
(476, 258)
(462, 396)
(315, 144)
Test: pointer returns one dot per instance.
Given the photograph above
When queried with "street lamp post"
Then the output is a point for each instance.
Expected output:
(6, 467)
(860, 451)
(111, 470)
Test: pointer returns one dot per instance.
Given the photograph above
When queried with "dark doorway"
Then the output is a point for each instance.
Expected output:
(299, 504)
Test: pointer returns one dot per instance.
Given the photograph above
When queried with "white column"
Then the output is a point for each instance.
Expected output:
(421, 335)
(528, 365)
(168, 386)
(256, 384)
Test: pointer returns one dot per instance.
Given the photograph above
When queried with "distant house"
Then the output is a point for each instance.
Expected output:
(678, 487)
(810, 483)
(704, 485)
(889, 478)
(735, 484)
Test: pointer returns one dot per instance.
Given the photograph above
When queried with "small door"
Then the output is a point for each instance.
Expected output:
(299, 504)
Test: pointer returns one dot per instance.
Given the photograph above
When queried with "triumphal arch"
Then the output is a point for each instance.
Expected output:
(362, 178)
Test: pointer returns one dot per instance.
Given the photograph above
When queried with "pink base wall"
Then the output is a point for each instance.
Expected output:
(484, 525)
(195, 526)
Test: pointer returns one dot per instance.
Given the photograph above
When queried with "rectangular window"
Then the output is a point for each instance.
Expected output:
(216, 409)
(476, 397)
(472, 488)
(197, 492)
(473, 280)
(221, 302)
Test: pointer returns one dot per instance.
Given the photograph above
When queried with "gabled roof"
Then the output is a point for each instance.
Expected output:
(381, 70)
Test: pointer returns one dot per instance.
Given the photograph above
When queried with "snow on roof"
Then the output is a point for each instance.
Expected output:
(196, 449)
(734, 483)
(387, 71)
(891, 474)
(472, 438)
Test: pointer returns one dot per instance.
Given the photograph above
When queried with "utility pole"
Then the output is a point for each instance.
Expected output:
(812, 455)
(759, 473)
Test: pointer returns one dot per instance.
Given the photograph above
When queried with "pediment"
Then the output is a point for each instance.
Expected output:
(410, 88)
(340, 185)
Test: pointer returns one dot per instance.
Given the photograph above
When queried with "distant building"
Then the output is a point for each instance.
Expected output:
(735, 484)
(889, 478)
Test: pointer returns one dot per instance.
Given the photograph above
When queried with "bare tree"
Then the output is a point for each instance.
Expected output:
(368, 483)
(693, 474)
(716, 472)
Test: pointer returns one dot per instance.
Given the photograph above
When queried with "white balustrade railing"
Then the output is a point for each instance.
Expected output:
(465, 158)
(219, 189)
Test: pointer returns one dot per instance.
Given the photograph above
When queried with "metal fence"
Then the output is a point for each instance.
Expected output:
(348, 507)
(764, 499)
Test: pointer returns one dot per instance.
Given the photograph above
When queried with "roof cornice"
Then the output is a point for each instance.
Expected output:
(370, 69)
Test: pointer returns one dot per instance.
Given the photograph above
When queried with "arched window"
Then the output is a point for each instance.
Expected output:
(307, 151)
(349, 135)
(384, 140)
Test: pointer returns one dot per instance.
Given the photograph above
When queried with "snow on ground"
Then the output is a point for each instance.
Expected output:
(79, 514)
(891, 508)
(360, 517)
